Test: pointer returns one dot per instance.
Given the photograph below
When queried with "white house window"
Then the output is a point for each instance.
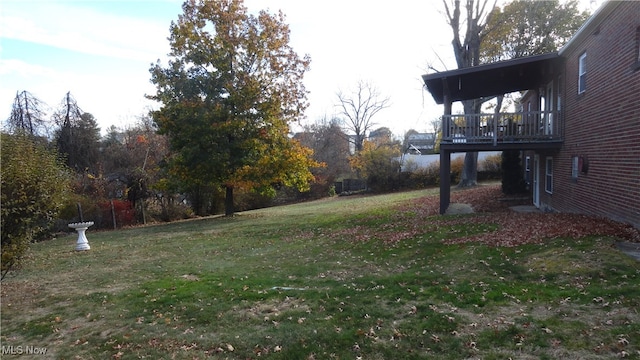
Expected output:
(575, 162)
(548, 185)
(582, 73)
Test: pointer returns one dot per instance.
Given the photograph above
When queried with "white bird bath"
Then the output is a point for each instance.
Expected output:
(83, 243)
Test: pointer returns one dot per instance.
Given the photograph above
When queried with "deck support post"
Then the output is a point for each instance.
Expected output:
(445, 155)
(445, 180)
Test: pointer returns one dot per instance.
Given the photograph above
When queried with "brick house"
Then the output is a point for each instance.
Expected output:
(579, 122)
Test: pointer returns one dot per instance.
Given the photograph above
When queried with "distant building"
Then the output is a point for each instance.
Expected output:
(420, 143)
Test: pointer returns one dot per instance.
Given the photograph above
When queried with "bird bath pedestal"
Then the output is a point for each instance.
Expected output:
(83, 243)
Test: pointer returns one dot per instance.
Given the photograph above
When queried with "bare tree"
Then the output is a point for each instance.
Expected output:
(330, 146)
(468, 32)
(359, 107)
(436, 125)
(27, 114)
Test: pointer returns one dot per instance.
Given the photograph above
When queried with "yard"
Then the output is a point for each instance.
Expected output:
(362, 277)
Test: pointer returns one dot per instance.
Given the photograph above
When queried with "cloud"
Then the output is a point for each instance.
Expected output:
(387, 43)
(23, 69)
(84, 30)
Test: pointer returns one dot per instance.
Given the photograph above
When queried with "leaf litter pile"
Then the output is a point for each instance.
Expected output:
(510, 229)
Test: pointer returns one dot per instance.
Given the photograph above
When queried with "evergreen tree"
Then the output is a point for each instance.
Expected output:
(78, 136)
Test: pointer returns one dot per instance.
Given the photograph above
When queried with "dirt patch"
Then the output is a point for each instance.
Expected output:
(190, 277)
(273, 308)
(19, 292)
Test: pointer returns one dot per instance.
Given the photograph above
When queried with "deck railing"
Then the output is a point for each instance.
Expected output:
(521, 127)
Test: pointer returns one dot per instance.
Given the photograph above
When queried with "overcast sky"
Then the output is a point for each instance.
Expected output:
(101, 51)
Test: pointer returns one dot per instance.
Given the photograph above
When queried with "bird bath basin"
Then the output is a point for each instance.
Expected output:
(81, 227)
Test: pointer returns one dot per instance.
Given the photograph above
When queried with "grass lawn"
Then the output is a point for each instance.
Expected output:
(371, 277)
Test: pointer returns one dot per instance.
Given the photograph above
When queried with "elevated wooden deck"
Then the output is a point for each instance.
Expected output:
(504, 131)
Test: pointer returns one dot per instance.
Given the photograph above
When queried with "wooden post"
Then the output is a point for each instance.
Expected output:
(113, 216)
(80, 213)
(445, 180)
(445, 155)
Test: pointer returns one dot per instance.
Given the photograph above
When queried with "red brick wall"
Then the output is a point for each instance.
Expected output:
(602, 124)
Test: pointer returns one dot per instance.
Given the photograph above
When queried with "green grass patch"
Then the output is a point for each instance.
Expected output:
(336, 278)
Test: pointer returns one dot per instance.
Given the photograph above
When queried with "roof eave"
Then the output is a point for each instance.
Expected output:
(473, 76)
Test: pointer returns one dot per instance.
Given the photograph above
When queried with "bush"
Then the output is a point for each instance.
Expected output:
(69, 211)
(425, 177)
(168, 208)
(456, 169)
(491, 163)
(379, 165)
(120, 211)
(490, 168)
(34, 187)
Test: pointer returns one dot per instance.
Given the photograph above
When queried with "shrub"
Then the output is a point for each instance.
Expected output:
(34, 187)
(119, 211)
(168, 208)
(491, 163)
(490, 168)
(456, 169)
(69, 211)
(98, 210)
(250, 199)
(379, 165)
(424, 177)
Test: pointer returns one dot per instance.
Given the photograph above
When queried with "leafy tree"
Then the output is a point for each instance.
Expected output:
(115, 155)
(359, 107)
(378, 162)
(27, 115)
(231, 87)
(34, 187)
(78, 136)
(487, 33)
(468, 33)
(134, 156)
(525, 28)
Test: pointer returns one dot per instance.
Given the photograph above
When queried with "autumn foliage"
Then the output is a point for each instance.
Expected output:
(503, 226)
(232, 86)
(35, 185)
(513, 228)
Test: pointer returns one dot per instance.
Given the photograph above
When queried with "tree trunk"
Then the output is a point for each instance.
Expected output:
(469, 176)
(467, 54)
(228, 201)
